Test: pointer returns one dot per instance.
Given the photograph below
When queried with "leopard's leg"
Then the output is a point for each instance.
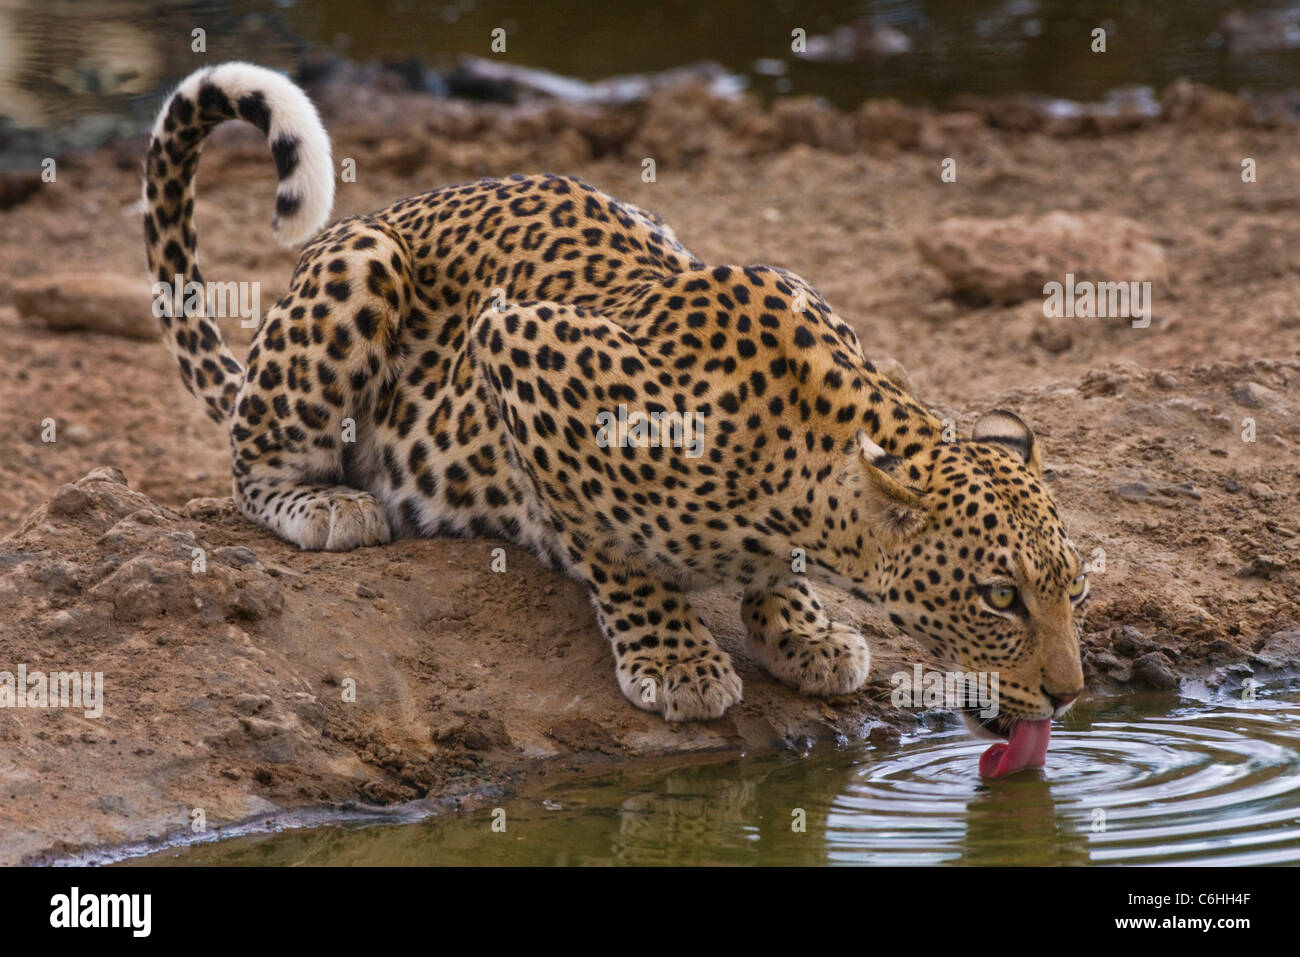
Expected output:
(665, 658)
(789, 633)
(311, 409)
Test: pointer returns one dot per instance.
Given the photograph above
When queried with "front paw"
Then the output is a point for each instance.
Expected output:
(699, 688)
(833, 660)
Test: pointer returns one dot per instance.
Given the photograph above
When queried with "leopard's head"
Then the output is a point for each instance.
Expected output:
(975, 562)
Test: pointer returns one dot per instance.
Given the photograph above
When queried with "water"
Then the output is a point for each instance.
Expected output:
(73, 73)
(1154, 780)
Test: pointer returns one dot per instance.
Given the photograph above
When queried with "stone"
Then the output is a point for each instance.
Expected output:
(1253, 395)
(1011, 260)
(88, 302)
(1186, 102)
(887, 122)
(77, 434)
(1153, 671)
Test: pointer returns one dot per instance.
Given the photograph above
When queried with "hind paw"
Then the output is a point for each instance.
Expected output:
(337, 521)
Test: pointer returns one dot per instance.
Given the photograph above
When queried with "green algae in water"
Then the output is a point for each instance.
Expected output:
(1128, 781)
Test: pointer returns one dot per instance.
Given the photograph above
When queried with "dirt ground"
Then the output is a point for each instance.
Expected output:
(226, 688)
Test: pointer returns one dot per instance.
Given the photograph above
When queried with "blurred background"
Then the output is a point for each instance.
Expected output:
(74, 73)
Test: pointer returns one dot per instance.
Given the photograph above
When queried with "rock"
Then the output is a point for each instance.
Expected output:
(582, 734)
(939, 132)
(105, 473)
(88, 302)
(1018, 112)
(1263, 492)
(1166, 380)
(888, 123)
(1157, 493)
(1221, 649)
(146, 588)
(161, 582)
(1279, 651)
(251, 704)
(1099, 382)
(479, 732)
(61, 578)
(1229, 677)
(1131, 643)
(259, 729)
(1010, 260)
(884, 736)
(1153, 671)
(1125, 108)
(940, 720)
(1104, 662)
(67, 501)
(77, 434)
(237, 556)
(1186, 102)
(1253, 395)
(804, 119)
(681, 126)
(1263, 566)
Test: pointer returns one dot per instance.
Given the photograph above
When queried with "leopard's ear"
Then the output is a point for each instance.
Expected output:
(894, 510)
(1007, 428)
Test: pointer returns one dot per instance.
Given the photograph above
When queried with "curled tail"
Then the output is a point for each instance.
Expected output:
(303, 201)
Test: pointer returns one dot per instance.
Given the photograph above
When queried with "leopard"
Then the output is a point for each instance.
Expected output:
(449, 365)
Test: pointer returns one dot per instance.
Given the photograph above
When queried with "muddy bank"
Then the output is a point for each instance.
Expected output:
(226, 687)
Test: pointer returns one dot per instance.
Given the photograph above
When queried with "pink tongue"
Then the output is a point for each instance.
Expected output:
(1027, 749)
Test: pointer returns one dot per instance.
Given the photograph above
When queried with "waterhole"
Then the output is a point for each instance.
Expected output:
(69, 83)
(1128, 781)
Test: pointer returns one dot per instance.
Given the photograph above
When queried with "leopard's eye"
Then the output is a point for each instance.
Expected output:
(1001, 595)
(1077, 586)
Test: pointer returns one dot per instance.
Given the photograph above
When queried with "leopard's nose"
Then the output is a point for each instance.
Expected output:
(1059, 701)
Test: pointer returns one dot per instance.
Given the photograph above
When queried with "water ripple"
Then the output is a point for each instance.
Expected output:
(1196, 786)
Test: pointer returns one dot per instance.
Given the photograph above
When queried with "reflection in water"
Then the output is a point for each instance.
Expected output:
(929, 807)
(1017, 813)
(1126, 782)
(74, 74)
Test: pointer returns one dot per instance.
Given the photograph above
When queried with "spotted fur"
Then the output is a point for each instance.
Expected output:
(440, 367)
